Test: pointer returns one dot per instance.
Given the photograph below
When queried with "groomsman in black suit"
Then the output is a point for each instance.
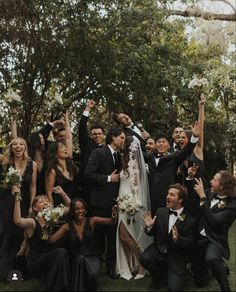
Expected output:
(162, 166)
(174, 236)
(175, 136)
(102, 172)
(132, 129)
(88, 142)
(216, 215)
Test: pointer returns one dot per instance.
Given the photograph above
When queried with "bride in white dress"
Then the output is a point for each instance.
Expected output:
(131, 239)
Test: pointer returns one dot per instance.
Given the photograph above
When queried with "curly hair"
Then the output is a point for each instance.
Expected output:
(227, 184)
(9, 155)
(125, 153)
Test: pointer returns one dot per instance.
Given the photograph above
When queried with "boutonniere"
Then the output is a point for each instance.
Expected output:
(221, 204)
(182, 217)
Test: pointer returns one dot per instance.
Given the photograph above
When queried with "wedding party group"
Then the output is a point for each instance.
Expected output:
(141, 205)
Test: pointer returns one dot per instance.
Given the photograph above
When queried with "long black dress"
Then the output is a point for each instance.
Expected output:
(11, 236)
(85, 264)
(49, 264)
(70, 187)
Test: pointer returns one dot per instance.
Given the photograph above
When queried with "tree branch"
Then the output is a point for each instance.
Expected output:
(204, 15)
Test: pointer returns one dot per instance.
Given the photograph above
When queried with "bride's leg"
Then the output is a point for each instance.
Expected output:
(123, 237)
(130, 244)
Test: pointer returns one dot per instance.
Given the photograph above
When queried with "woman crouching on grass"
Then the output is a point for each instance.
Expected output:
(85, 263)
(49, 264)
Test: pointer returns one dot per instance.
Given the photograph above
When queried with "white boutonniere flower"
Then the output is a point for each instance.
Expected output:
(221, 204)
(182, 217)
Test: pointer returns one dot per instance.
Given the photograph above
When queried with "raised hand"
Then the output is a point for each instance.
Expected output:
(202, 99)
(148, 220)
(196, 130)
(192, 170)
(58, 190)
(199, 188)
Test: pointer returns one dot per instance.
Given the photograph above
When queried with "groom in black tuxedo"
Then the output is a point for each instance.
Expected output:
(132, 129)
(174, 236)
(102, 172)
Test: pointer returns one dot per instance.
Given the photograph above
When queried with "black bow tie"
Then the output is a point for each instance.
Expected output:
(132, 127)
(158, 155)
(217, 197)
(173, 212)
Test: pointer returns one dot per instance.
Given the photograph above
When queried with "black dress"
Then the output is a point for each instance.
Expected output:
(49, 264)
(85, 264)
(11, 236)
(40, 183)
(70, 187)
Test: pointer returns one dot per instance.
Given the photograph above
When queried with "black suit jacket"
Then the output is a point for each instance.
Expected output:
(131, 132)
(87, 145)
(217, 221)
(163, 175)
(177, 252)
(100, 165)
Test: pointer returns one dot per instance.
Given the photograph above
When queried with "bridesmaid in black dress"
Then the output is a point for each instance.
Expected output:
(60, 171)
(49, 264)
(15, 155)
(84, 262)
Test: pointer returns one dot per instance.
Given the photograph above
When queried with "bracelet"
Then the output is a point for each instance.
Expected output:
(18, 197)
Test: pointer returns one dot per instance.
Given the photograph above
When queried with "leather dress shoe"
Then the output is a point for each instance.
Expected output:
(113, 274)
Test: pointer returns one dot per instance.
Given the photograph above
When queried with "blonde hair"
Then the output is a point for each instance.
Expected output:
(8, 153)
(36, 199)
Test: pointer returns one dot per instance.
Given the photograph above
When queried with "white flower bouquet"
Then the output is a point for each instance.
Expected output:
(12, 97)
(11, 178)
(51, 216)
(129, 204)
(197, 82)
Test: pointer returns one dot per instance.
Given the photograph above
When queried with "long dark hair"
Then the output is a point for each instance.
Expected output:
(34, 144)
(52, 161)
(125, 152)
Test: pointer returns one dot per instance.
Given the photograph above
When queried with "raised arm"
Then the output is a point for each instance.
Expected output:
(65, 198)
(26, 223)
(198, 151)
(33, 185)
(13, 123)
(69, 137)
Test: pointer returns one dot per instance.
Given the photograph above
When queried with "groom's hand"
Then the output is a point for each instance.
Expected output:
(148, 220)
(115, 177)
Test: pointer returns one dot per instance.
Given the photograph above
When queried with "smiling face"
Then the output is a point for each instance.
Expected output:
(97, 135)
(162, 145)
(172, 200)
(40, 203)
(176, 134)
(183, 139)
(18, 147)
(215, 183)
(150, 144)
(79, 210)
(62, 151)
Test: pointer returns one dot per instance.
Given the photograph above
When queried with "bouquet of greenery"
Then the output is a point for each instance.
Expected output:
(12, 97)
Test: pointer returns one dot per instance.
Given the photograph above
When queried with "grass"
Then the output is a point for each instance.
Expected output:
(106, 284)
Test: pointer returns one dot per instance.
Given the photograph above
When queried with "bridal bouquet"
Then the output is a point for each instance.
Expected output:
(51, 216)
(129, 204)
(198, 84)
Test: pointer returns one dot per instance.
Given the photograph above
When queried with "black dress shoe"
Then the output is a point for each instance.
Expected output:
(113, 274)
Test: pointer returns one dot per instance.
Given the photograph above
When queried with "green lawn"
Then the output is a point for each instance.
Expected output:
(107, 284)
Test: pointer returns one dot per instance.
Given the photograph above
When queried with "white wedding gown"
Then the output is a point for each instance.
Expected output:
(135, 229)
